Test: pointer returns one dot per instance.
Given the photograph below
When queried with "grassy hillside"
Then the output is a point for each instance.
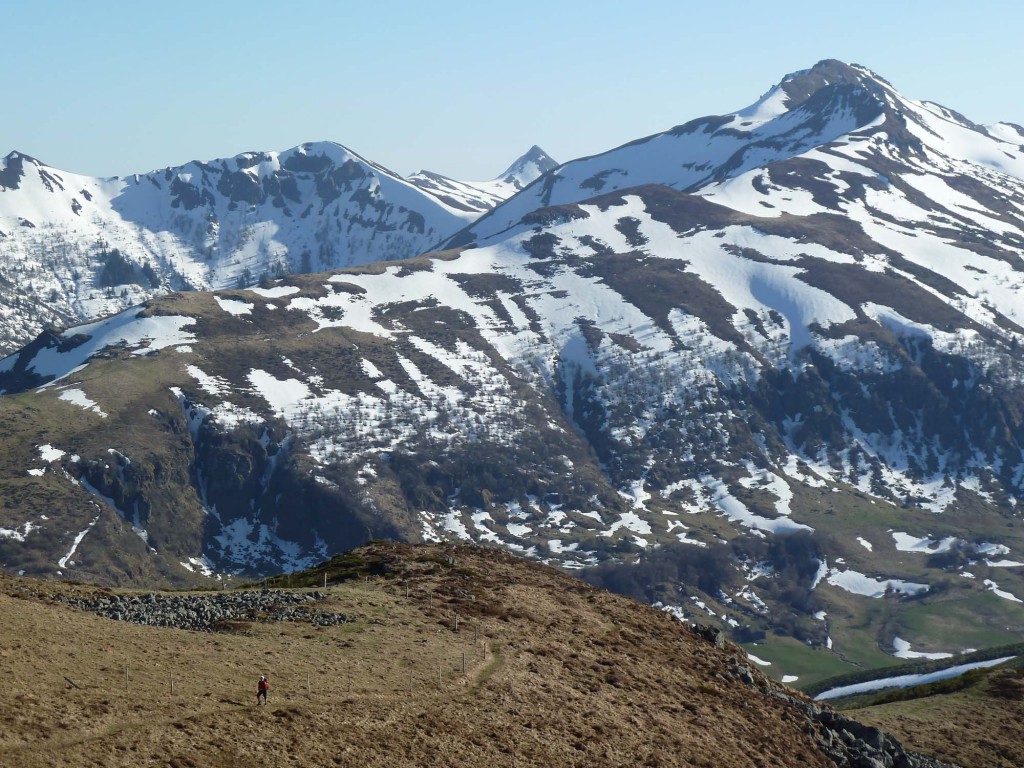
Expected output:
(556, 673)
(977, 719)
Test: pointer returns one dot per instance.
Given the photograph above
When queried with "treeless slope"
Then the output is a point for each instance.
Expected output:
(556, 674)
(980, 726)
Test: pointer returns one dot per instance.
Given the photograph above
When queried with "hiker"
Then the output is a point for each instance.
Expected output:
(261, 689)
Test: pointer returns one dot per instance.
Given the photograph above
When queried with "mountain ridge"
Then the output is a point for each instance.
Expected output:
(830, 94)
(788, 401)
(74, 247)
(481, 196)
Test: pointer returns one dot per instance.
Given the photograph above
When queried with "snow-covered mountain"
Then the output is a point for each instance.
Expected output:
(74, 247)
(481, 196)
(791, 150)
(803, 324)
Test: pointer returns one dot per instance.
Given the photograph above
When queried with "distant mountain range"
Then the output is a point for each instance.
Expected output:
(764, 368)
(74, 247)
(481, 196)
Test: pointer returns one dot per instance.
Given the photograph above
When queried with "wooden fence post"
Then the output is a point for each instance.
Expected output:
(463, 663)
(309, 691)
(170, 678)
(126, 677)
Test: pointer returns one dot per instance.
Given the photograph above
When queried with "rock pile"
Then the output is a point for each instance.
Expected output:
(853, 744)
(208, 612)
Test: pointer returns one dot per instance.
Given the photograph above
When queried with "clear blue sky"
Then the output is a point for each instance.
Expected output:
(111, 87)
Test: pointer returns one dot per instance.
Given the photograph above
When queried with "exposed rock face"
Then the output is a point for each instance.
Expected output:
(853, 744)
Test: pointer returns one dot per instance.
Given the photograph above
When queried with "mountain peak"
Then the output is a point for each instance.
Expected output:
(16, 155)
(327, 151)
(800, 86)
(12, 168)
(534, 163)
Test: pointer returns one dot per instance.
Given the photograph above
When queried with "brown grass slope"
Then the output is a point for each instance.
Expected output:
(977, 720)
(556, 674)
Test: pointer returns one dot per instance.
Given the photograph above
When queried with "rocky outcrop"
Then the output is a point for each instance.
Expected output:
(208, 612)
(850, 744)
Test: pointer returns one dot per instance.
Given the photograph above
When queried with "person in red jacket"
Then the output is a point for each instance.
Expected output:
(261, 689)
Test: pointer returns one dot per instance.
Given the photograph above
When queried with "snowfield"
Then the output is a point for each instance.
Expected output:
(906, 681)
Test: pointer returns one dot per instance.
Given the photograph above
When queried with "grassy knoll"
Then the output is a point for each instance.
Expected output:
(556, 673)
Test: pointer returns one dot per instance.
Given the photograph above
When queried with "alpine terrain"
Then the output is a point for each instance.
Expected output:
(481, 196)
(764, 369)
(73, 247)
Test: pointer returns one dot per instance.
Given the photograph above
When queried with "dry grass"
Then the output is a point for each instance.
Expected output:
(979, 727)
(560, 675)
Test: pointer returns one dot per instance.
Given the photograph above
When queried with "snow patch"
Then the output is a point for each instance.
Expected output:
(50, 454)
(234, 307)
(906, 681)
(994, 588)
(902, 651)
(79, 398)
(859, 584)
